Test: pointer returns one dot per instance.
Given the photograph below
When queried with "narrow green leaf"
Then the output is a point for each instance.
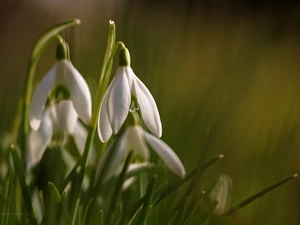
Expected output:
(128, 198)
(118, 189)
(182, 211)
(75, 213)
(87, 208)
(105, 71)
(4, 219)
(148, 201)
(192, 209)
(166, 189)
(112, 182)
(247, 201)
(24, 187)
(54, 192)
(101, 220)
(169, 189)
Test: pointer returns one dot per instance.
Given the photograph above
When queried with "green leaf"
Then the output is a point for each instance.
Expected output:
(105, 71)
(166, 189)
(169, 189)
(118, 189)
(147, 205)
(252, 198)
(54, 192)
(24, 187)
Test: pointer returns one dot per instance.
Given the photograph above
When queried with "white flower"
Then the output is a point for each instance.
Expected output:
(135, 138)
(60, 119)
(124, 92)
(218, 197)
(62, 73)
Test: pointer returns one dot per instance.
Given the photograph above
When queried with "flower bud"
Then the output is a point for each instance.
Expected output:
(62, 51)
(124, 57)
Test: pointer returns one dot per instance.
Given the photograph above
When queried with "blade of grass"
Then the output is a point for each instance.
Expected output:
(148, 201)
(24, 187)
(169, 189)
(247, 201)
(128, 198)
(117, 192)
(166, 189)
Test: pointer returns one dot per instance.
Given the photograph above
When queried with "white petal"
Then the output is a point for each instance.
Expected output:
(80, 93)
(39, 140)
(69, 160)
(39, 98)
(147, 105)
(118, 100)
(136, 142)
(166, 154)
(128, 182)
(112, 163)
(104, 128)
(66, 116)
(80, 134)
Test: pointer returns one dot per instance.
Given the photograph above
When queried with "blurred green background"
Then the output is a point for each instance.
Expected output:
(226, 79)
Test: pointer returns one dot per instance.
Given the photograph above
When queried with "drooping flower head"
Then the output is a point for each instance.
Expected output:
(57, 123)
(218, 197)
(65, 81)
(135, 139)
(126, 92)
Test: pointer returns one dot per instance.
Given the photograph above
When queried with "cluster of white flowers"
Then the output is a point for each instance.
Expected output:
(63, 96)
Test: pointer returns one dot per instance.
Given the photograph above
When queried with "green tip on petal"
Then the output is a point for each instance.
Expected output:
(124, 57)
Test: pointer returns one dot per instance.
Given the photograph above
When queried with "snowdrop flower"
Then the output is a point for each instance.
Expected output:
(218, 198)
(126, 93)
(57, 122)
(68, 80)
(135, 139)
